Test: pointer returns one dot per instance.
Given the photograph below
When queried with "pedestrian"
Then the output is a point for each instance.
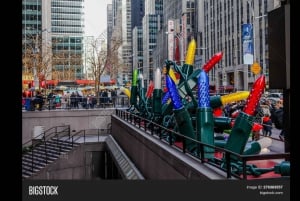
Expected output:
(267, 125)
(277, 115)
(51, 100)
(256, 131)
(39, 100)
(64, 101)
(73, 100)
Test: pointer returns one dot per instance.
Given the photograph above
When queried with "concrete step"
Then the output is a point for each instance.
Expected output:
(34, 160)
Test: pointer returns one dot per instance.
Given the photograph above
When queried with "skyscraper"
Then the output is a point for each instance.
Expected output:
(67, 28)
(52, 33)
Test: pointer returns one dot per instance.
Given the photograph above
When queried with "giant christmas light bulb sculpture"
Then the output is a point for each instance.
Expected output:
(187, 67)
(181, 115)
(205, 123)
(141, 81)
(165, 98)
(243, 123)
(212, 62)
(142, 86)
(191, 78)
(217, 101)
(142, 104)
(125, 91)
(150, 90)
(157, 93)
(188, 78)
(171, 73)
(255, 94)
(133, 91)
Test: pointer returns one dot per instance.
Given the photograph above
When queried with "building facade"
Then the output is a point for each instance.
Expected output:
(67, 28)
(152, 23)
(53, 30)
(220, 25)
(31, 38)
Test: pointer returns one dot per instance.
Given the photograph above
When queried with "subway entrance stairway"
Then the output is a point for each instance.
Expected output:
(87, 154)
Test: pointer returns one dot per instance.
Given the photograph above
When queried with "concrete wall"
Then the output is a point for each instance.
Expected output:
(76, 164)
(77, 119)
(157, 160)
(152, 157)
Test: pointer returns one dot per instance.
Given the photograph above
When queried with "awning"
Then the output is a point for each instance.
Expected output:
(52, 82)
(27, 81)
(85, 82)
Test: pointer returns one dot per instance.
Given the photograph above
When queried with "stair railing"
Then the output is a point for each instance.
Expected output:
(30, 145)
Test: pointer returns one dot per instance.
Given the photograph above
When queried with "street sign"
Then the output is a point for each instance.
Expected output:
(255, 68)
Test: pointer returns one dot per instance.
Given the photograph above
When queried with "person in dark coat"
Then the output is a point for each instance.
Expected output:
(277, 117)
(39, 100)
(267, 125)
(73, 100)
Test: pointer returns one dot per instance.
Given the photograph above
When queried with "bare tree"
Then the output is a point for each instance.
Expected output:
(36, 58)
(102, 61)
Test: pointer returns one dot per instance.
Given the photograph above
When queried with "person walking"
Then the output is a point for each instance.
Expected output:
(267, 125)
(256, 127)
(73, 100)
(64, 101)
(277, 115)
(51, 100)
(39, 100)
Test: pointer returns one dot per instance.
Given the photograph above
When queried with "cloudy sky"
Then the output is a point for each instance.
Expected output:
(95, 17)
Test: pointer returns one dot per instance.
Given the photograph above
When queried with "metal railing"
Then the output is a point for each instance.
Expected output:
(224, 164)
(59, 135)
(41, 139)
(103, 102)
(82, 135)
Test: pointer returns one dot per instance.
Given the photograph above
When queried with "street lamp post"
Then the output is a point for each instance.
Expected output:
(263, 64)
(251, 4)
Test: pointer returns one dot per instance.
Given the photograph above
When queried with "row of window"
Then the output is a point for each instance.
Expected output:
(56, 47)
(73, 3)
(67, 40)
(68, 21)
(73, 10)
(32, 17)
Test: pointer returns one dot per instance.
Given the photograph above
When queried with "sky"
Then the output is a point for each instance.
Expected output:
(95, 17)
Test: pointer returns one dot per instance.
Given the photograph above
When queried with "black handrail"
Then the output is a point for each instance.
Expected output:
(228, 155)
(47, 133)
(60, 140)
(42, 139)
(83, 134)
